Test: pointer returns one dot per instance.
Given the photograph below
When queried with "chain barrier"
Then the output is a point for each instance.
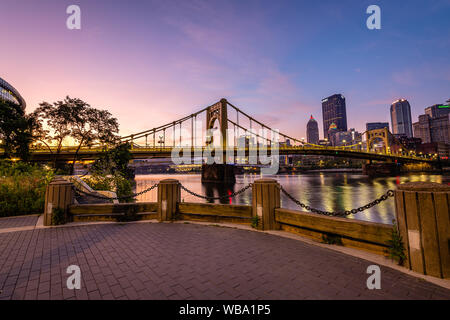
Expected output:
(233, 194)
(79, 191)
(387, 195)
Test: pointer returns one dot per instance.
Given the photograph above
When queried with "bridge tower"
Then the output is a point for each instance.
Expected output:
(218, 172)
(387, 168)
(218, 112)
(377, 134)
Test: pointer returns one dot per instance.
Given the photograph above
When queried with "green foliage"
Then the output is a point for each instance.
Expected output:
(76, 119)
(15, 131)
(114, 161)
(22, 188)
(329, 238)
(110, 172)
(58, 216)
(115, 183)
(255, 222)
(396, 249)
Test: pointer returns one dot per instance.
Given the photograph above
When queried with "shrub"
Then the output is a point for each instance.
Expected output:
(255, 222)
(115, 183)
(58, 216)
(396, 249)
(22, 188)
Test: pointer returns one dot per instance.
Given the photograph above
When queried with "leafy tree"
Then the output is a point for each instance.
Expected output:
(73, 118)
(115, 161)
(53, 125)
(15, 130)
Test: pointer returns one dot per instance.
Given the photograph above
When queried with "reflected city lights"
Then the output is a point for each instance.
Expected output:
(330, 192)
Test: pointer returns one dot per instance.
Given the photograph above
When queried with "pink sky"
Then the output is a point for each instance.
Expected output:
(152, 63)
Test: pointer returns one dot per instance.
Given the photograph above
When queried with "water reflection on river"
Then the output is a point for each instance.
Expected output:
(325, 191)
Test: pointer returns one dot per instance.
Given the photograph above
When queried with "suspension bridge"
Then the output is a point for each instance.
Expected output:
(237, 132)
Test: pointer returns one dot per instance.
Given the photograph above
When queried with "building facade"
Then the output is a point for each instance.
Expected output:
(312, 131)
(334, 113)
(437, 110)
(433, 128)
(8, 93)
(401, 118)
(376, 125)
(347, 138)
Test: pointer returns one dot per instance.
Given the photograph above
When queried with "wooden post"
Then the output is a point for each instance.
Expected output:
(266, 197)
(59, 194)
(168, 197)
(422, 210)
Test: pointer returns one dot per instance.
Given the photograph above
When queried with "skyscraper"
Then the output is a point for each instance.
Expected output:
(334, 112)
(312, 131)
(401, 118)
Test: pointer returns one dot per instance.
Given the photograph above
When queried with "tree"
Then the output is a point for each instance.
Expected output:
(53, 125)
(115, 161)
(73, 118)
(15, 130)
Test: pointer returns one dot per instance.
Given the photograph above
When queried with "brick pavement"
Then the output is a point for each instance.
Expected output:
(16, 222)
(188, 261)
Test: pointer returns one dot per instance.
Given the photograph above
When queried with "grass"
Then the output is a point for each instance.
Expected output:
(22, 188)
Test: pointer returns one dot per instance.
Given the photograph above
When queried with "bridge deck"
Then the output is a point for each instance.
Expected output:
(166, 152)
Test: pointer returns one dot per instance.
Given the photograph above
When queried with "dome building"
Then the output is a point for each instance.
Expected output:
(10, 94)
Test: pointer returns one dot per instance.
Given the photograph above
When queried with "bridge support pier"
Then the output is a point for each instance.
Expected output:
(219, 173)
(381, 169)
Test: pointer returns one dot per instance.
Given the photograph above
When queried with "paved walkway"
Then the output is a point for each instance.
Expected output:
(17, 222)
(188, 261)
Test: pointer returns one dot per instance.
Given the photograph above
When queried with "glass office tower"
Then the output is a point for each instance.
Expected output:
(401, 118)
(334, 112)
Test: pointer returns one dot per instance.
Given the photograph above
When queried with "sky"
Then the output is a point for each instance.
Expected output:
(152, 62)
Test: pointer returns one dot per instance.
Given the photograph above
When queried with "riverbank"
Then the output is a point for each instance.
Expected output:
(356, 170)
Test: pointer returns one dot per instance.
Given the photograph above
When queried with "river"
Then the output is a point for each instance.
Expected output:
(324, 191)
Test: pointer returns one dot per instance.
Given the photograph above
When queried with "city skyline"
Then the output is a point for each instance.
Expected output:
(150, 71)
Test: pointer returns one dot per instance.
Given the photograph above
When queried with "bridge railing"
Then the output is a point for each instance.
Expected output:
(168, 149)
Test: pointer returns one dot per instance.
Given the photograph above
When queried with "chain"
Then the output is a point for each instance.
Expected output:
(79, 191)
(387, 195)
(216, 198)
